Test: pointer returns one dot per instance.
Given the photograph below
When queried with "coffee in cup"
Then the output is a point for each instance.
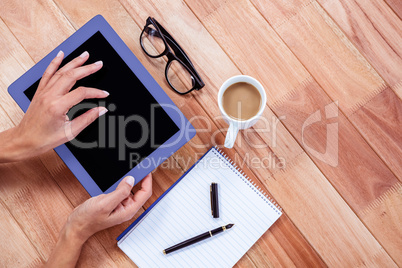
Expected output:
(241, 100)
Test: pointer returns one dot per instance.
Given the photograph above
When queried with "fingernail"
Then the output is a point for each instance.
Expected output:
(130, 180)
(83, 55)
(106, 93)
(60, 53)
(102, 111)
(99, 62)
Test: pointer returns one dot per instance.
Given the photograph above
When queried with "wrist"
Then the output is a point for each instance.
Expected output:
(72, 236)
(12, 146)
(77, 229)
(67, 249)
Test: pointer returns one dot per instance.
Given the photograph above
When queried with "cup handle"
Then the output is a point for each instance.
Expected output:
(231, 135)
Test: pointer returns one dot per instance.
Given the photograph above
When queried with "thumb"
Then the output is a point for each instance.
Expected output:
(122, 191)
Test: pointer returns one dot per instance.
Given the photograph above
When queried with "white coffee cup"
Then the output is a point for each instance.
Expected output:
(236, 124)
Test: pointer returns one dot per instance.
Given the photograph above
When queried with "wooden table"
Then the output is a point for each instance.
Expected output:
(340, 193)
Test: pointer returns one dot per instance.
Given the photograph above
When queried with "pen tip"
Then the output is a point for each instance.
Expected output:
(230, 225)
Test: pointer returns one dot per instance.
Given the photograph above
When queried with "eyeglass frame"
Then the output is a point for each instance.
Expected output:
(177, 54)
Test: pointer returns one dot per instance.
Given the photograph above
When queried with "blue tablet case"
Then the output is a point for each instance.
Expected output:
(99, 24)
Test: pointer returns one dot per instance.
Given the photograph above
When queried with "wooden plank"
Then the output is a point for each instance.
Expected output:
(347, 77)
(375, 30)
(13, 61)
(280, 11)
(347, 242)
(358, 184)
(385, 216)
(225, 25)
(360, 177)
(398, 90)
(396, 6)
(16, 249)
(31, 28)
(278, 101)
(381, 119)
(330, 57)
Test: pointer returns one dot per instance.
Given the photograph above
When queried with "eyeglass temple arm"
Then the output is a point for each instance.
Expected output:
(177, 49)
(174, 45)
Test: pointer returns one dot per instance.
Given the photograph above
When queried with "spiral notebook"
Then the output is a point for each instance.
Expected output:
(184, 211)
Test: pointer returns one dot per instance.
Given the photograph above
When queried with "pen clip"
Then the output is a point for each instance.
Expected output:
(211, 197)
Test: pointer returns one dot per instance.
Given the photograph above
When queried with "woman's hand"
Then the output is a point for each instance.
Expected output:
(107, 210)
(45, 124)
(96, 214)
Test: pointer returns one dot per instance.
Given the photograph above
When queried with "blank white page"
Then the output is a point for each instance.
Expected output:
(185, 211)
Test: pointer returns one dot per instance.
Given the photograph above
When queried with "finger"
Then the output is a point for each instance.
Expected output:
(74, 127)
(70, 77)
(126, 201)
(76, 96)
(77, 62)
(51, 69)
(143, 194)
(123, 190)
(132, 205)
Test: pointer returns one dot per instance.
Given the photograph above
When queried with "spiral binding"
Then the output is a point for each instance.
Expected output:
(269, 200)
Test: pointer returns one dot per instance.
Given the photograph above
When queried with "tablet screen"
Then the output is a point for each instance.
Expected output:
(132, 129)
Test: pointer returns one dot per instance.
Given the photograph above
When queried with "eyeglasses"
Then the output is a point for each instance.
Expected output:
(180, 72)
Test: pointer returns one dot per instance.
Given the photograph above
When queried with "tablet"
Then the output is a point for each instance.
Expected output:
(142, 128)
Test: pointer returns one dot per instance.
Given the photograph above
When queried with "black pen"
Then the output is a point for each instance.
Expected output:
(197, 238)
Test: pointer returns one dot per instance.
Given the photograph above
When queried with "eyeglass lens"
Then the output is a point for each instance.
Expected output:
(177, 75)
(152, 42)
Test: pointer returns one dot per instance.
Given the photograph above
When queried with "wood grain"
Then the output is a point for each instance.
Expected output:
(27, 189)
(359, 176)
(19, 250)
(357, 184)
(343, 239)
(219, 21)
(378, 119)
(375, 30)
(187, 108)
(384, 216)
(330, 57)
(312, 35)
(29, 21)
(14, 61)
(348, 78)
(335, 64)
(304, 57)
(396, 6)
